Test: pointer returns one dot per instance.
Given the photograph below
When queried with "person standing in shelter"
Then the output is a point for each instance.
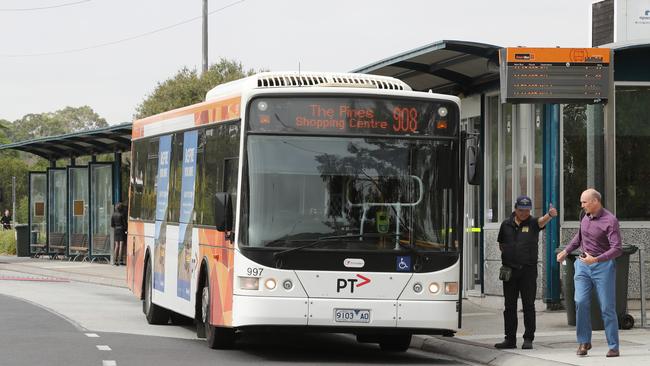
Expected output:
(119, 225)
(6, 220)
(599, 239)
(518, 237)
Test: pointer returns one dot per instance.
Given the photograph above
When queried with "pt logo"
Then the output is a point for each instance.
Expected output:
(343, 283)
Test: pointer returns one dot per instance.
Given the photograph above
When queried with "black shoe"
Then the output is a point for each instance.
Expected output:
(528, 344)
(506, 344)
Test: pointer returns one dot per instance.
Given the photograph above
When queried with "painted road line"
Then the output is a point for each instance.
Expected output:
(109, 363)
(92, 335)
(104, 348)
(36, 279)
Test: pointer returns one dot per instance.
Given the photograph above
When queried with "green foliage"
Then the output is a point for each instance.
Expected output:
(8, 242)
(188, 87)
(63, 121)
(5, 129)
(12, 167)
(22, 207)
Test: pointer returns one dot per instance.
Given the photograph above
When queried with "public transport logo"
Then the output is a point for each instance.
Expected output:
(343, 283)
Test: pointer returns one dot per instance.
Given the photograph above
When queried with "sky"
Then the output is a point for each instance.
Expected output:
(111, 54)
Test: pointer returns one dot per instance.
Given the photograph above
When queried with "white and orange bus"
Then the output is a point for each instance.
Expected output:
(304, 202)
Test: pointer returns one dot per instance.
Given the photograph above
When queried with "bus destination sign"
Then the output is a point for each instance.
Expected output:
(554, 75)
(352, 115)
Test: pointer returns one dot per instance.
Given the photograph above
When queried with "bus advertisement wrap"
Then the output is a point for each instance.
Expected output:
(187, 208)
(162, 197)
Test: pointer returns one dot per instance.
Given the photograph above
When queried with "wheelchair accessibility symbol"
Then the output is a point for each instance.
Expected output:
(404, 264)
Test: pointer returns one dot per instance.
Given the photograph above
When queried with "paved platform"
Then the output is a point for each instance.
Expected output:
(482, 323)
(555, 341)
(99, 273)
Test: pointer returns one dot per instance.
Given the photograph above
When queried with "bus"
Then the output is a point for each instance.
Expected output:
(307, 202)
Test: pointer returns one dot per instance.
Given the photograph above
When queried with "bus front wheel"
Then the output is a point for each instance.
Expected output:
(395, 342)
(217, 337)
(154, 313)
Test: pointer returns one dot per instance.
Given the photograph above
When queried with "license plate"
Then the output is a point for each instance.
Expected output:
(352, 315)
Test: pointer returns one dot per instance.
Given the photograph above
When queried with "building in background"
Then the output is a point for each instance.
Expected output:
(603, 145)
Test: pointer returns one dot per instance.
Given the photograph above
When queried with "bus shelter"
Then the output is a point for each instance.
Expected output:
(70, 207)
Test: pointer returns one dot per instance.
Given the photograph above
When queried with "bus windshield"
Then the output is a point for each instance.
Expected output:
(384, 193)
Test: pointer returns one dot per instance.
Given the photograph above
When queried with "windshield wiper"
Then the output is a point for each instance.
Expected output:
(314, 243)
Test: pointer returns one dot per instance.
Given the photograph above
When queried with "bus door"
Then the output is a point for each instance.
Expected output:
(472, 235)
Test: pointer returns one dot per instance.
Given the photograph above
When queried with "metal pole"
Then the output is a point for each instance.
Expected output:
(205, 36)
(642, 284)
(13, 200)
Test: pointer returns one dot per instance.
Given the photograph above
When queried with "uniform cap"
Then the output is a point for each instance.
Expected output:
(524, 202)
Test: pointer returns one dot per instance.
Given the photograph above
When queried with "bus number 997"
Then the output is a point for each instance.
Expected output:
(255, 272)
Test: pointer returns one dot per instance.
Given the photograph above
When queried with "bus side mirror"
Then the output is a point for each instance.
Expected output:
(223, 211)
(474, 165)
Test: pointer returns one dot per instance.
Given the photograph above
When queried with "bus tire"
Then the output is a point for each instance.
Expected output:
(154, 313)
(179, 319)
(217, 337)
(395, 342)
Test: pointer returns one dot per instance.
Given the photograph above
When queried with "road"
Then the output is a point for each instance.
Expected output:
(46, 322)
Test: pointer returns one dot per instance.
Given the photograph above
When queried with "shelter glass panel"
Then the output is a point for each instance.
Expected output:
(101, 207)
(523, 148)
(78, 201)
(492, 160)
(632, 153)
(538, 117)
(37, 212)
(583, 154)
(57, 215)
(508, 120)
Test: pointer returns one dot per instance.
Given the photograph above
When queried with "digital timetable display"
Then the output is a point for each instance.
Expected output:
(352, 115)
(554, 75)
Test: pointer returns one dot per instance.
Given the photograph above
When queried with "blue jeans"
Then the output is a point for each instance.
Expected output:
(602, 276)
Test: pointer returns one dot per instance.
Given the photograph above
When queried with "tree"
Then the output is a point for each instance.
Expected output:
(67, 120)
(5, 131)
(80, 119)
(188, 87)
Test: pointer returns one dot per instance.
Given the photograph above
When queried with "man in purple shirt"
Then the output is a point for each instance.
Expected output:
(599, 240)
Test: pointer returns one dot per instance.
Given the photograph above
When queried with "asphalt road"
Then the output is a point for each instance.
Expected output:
(69, 323)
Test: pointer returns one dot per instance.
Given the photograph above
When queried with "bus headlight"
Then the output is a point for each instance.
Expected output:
(262, 106)
(434, 288)
(270, 284)
(451, 288)
(417, 288)
(249, 283)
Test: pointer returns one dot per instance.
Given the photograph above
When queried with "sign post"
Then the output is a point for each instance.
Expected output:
(554, 76)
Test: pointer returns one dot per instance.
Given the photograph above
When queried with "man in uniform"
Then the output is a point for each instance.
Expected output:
(518, 237)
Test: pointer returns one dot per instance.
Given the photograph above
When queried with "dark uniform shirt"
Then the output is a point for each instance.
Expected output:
(519, 242)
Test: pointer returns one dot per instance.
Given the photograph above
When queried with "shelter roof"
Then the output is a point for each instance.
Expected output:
(450, 67)
(115, 138)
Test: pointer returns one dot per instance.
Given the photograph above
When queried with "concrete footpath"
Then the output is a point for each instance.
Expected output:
(555, 341)
(482, 323)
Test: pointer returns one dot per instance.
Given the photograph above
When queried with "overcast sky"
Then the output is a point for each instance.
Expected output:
(41, 72)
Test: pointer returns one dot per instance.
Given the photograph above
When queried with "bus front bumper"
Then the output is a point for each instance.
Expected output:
(420, 316)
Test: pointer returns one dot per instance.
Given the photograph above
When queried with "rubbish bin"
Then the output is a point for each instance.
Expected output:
(625, 320)
(22, 240)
